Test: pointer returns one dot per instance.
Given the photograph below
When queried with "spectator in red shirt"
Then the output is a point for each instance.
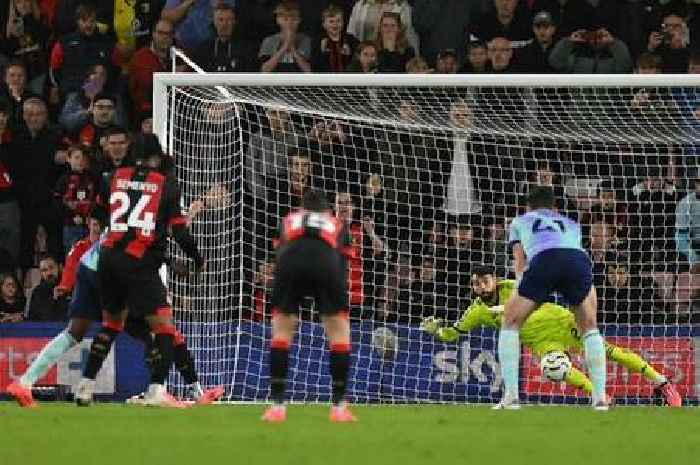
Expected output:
(75, 196)
(344, 210)
(12, 301)
(70, 271)
(9, 208)
(146, 61)
(104, 117)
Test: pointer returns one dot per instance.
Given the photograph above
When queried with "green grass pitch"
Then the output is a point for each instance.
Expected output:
(57, 434)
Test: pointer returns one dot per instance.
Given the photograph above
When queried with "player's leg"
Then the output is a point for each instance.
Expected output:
(516, 312)
(84, 309)
(114, 315)
(636, 364)
(112, 325)
(54, 350)
(332, 303)
(164, 332)
(593, 347)
(337, 329)
(284, 324)
(184, 363)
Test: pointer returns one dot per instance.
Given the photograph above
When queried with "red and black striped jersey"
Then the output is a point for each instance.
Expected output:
(141, 204)
(321, 225)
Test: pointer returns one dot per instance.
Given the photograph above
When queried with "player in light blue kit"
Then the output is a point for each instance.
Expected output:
(549, 257)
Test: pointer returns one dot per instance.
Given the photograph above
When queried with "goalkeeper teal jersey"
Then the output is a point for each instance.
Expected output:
(549, 327)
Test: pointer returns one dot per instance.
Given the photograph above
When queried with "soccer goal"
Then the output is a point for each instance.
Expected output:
(428, 170)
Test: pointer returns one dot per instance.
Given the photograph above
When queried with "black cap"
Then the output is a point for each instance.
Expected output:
(543, 17)
(104, 96)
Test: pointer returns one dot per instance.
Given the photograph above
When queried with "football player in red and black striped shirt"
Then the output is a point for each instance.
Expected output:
(143, 206)
(309, 263)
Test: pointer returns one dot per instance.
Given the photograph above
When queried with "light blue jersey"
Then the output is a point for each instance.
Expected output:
(92, 256)
(544, 229)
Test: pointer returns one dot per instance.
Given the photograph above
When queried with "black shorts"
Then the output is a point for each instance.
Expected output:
(310, 268)
(129, 283)
(85, 303)
(567, 271)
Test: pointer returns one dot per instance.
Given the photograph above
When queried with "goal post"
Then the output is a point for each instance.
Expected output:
(428, 170)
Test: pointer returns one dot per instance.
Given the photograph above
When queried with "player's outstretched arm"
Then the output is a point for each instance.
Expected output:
(435, 327)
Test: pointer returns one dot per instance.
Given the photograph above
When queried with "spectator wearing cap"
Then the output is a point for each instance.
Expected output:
(9, 208)
(288, 50)
(153, 58)
(103, 117)
(365, 16)
(192, 20)
(74, 54)
(225, 52)
(477, 58)
(672, 43)
(35, 167)
(334, 50)
(569, 15)
(595, 52)
(510, 19)
(687, 234)
(535, 57)
(447, 62)
(79, 106)
(442, 25)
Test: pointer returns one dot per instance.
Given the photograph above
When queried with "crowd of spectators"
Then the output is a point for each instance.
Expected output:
(76, 97)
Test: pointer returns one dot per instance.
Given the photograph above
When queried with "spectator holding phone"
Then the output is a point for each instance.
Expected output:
(591, 52)
(671, 42)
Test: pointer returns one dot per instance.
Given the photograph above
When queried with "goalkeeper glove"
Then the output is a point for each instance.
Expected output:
(431, 325)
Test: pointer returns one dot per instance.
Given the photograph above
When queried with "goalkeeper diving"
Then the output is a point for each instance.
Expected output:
(550, 332)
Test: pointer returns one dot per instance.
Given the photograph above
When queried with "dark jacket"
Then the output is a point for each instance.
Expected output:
(74, 54)
(43, 307)
(534, 59)
(226, 56)
(33, 168)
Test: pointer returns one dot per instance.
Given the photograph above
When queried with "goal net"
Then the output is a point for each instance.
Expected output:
(428, 171)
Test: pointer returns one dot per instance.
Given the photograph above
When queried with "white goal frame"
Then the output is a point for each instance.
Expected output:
(220, 82)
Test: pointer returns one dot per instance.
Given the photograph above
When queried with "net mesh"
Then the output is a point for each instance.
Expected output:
(428, 179)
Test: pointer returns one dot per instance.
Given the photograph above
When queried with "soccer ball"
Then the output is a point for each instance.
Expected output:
(555, 365)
